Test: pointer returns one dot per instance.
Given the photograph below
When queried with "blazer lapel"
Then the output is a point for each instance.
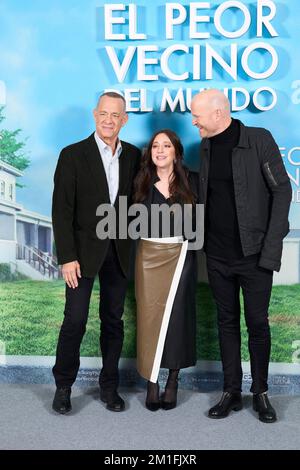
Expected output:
(124, 169)
(96, 167)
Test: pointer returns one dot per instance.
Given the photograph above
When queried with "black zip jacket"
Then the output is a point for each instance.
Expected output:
(262, 193)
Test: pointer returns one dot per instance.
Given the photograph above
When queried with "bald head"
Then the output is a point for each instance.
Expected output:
(213, 99)
(211, 112)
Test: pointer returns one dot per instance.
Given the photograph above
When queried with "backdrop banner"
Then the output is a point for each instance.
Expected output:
(56, 59)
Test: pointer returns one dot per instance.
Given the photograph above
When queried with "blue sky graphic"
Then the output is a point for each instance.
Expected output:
(54, 66)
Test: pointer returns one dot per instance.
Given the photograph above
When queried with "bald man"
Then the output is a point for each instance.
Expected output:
(247, 193)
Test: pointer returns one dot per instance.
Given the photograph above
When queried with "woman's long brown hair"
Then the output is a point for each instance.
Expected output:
(179, 188)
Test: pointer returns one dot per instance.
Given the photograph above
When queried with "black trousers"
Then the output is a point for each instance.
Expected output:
(113, 286)
(226, 278)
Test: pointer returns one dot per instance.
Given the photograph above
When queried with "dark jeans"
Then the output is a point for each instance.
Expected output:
(113, 286)
(226, 278)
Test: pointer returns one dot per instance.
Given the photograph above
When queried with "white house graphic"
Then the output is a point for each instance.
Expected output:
(26, 238)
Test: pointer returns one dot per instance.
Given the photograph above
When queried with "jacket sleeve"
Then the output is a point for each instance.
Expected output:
(280, 187)
(63, 206)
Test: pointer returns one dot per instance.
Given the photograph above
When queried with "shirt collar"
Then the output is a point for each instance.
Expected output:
(103, 145)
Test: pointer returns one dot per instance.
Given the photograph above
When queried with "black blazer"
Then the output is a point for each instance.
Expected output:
(80, 186)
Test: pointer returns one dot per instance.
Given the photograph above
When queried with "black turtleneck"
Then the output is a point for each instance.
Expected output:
(222, 237)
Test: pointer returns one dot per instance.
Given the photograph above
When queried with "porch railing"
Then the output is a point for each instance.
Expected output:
(42, 262)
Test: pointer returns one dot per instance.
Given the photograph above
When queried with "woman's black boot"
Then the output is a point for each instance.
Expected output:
(169, 397)
(152, 399)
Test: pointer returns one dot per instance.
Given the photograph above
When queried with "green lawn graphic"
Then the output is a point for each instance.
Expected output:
(31, 313)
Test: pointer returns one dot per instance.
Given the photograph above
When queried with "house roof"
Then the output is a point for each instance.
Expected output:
(10, 169)
(33, 217)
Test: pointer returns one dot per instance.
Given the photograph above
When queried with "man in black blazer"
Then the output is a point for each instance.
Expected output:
(95, 171)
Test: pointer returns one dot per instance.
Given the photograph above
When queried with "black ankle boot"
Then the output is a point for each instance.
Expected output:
(261, 404)
(229, 401)
(62, 402)
(169, 397)
(152, 399)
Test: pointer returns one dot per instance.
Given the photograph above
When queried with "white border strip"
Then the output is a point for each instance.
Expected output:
(96, 362)
(167, 312)
(164, 239)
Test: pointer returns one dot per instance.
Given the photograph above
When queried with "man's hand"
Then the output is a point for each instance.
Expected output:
(70, 272)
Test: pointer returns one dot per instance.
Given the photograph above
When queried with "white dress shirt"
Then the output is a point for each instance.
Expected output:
(111, 166)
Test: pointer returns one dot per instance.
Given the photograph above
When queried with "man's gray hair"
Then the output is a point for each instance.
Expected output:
(113, 94)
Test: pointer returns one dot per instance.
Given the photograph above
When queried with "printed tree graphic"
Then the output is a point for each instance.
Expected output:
(12, 149)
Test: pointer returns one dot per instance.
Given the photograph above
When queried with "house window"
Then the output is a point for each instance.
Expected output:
(2, 189)
(11, 192)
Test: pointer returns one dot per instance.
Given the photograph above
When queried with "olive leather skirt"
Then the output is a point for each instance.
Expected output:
(165, 288)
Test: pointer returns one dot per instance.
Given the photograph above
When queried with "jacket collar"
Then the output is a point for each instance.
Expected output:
(242, 143)
(155, 178)
(97, 169)
(243, 140)
(96, 165)
(148, 199)
(103, 146)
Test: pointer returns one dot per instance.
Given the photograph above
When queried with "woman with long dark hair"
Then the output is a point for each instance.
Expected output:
(166, 271)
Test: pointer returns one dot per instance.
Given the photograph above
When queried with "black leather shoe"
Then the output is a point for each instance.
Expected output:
(261, 404)
(229, 401)
(152, 400)
(62, 402)
(113, 400)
